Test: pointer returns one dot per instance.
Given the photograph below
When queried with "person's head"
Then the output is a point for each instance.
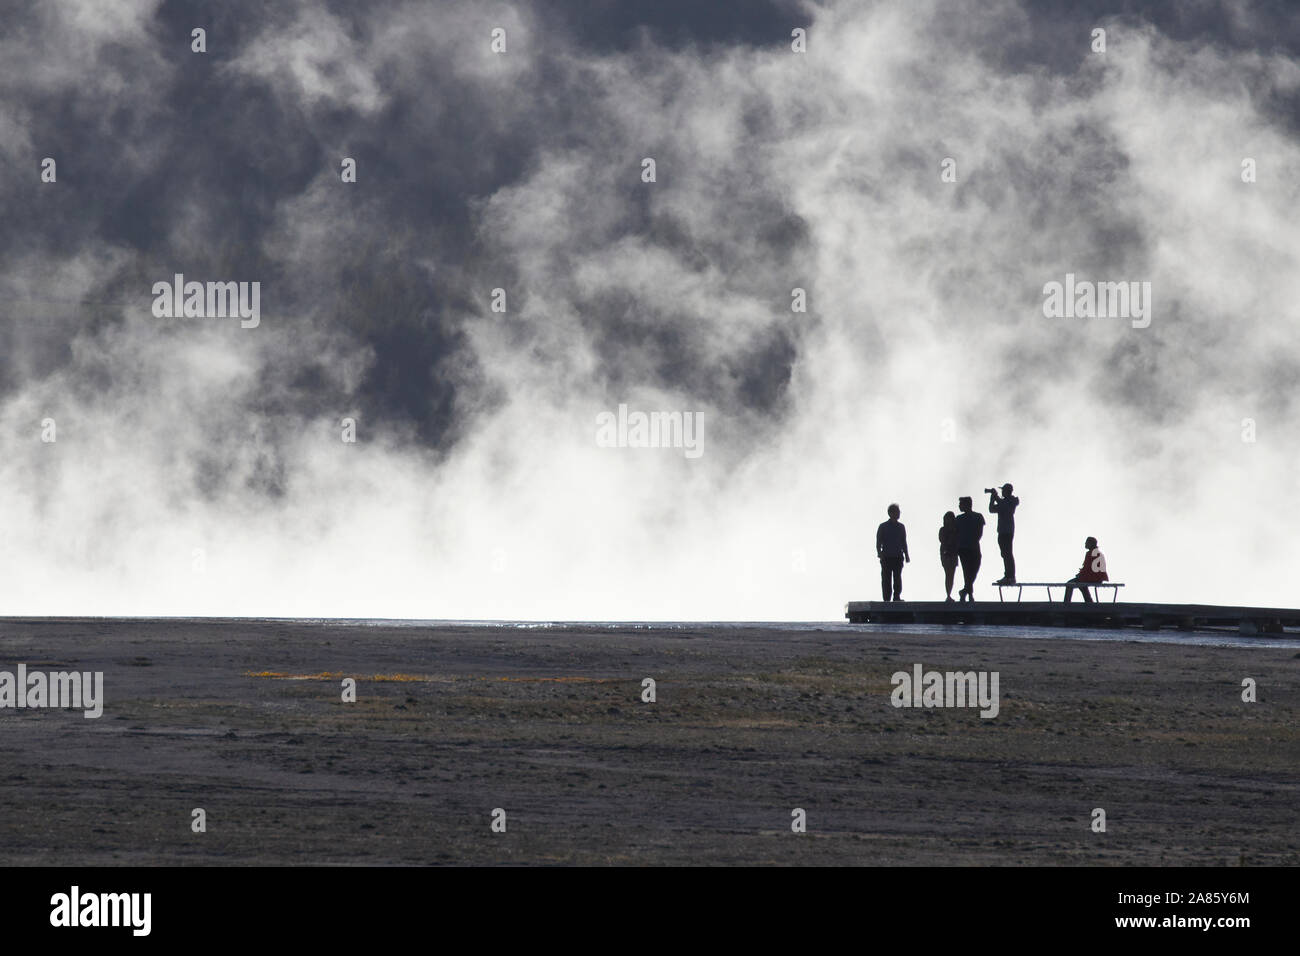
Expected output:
(1090, 543)
(894, 512)
(949, 519)
(1006, 489)
(963, 503)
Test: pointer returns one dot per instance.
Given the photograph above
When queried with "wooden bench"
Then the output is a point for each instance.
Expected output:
(1021, 585)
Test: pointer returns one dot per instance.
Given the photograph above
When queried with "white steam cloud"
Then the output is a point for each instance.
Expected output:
(172, 490)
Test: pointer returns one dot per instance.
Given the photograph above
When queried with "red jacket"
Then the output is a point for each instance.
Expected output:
(1094, 566)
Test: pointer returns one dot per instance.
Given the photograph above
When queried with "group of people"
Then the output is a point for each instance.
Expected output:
(959, 544)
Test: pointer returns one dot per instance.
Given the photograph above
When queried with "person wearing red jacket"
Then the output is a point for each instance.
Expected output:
(1093, 570)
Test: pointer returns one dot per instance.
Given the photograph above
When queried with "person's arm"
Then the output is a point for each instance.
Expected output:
(880, 544)
(906, 557)
(993, 502)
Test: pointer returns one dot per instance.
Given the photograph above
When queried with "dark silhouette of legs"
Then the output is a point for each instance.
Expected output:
(1008, 559)
(949, 573)
(970, 567)
(891, 577)
(1083, 589)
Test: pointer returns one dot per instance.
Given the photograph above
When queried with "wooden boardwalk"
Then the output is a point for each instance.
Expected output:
(1186, 617)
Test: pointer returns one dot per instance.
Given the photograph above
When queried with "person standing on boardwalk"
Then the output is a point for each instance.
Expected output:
(891, 548)
(948, 551)
(1092, 571)
(1005, 509)
(970, 528)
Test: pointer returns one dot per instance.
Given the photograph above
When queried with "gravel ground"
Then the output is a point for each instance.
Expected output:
(549, 725)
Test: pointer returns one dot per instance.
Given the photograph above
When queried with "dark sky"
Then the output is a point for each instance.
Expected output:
(189, 450)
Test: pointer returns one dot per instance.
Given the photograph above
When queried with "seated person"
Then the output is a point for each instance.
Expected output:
(1093, 570)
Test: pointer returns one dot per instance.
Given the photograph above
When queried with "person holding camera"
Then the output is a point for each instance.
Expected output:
(1005, 509)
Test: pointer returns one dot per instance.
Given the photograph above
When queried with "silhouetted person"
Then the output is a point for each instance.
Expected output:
(1005, 509)
(948, 551)
(891, 548)
(1092, 571)
(970, 528)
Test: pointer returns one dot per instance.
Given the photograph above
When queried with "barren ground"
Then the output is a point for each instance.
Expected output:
(549, 725)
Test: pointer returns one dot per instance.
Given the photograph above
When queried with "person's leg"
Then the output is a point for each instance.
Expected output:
(1005, 541)
(1069, 591)
(884, 579)
(898, 579)
(949, 572)
(1087, 595)
(968, 566)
